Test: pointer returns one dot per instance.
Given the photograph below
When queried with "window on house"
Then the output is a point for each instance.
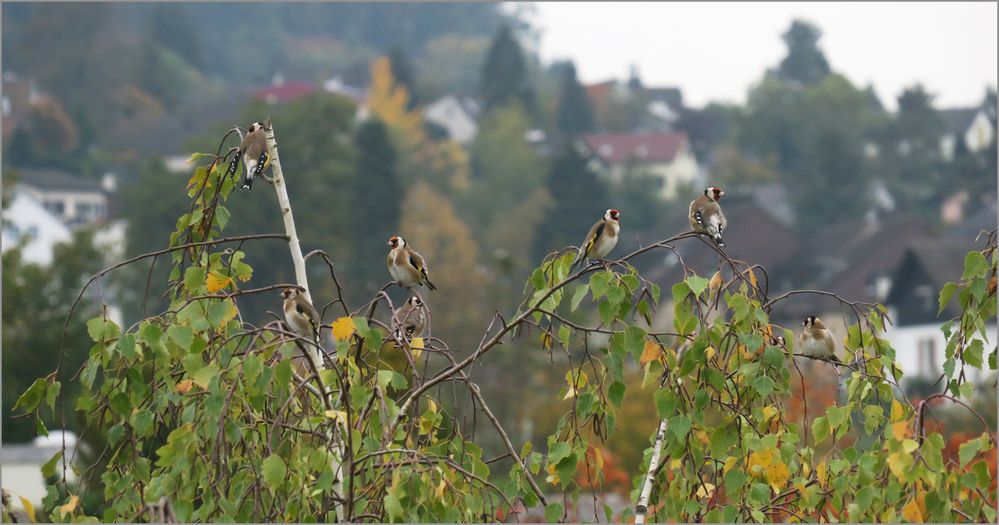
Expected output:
(56, 207)
(84, 211)
(13, 233)
(32, 232)
(926, 353)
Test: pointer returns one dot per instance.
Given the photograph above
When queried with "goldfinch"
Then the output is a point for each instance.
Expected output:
(706, 215)
(412, 317)
(253, 151)
(406, 266)
(602, 238)
(816, 340)
(301, 316)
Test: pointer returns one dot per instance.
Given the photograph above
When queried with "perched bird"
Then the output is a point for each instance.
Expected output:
(253, 151)
(816, 340)
(602, 237)
(406, 266)
(706, 215)
(301, 316)
(412, 317)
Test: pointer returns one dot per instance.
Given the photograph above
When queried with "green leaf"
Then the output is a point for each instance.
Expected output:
(973, 353)
(945, 295)
(558, 452)
(680, 292)
(142, 422)
(49, 468)
(763, 385)
(194, 279)
(578, 295)
(722, 439)
(182, 335)
(282, 373)
(820, 429)
(204, 375)
(969, 449)
(697, 284)
(599, 284)
(538, 279)
(31, 397)
(666, 403)
(616, 393)
(679, 426)
(554, 513)
(274, 471)
(51, 393)
(606, 310)
(975, 265)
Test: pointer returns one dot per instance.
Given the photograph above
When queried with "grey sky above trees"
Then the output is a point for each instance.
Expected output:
(948, 47)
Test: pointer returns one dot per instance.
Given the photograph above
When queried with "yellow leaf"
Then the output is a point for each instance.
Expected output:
(675, 464)
(701, 436)
(777, 475)
(900, 430)
(552, 474)
(714, 284)
(729, 464)
(806, 470)
(440, 489)
(769, 412)
(29, 509)
(570, 393)
(336, 415)
(897, 411)
(547, 341)
(650, 352)
(184, 386)
(598, 455)
(899, 463)
(343, 328)
(758, 462)
(752, 278)
(431, 406)
(710, 352)
(229, 313)
(705, 490)
(909, 446)
(70, 506)
(216, 281)
(416, 347)
(822, 474)
(911, 512)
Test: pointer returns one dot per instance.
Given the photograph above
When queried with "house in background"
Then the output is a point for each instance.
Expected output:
(913, 304)
(975, 126)
(27, 221)
(281, 91)
(22, 466)
(665, 156)
(456, 115)
(75, 201)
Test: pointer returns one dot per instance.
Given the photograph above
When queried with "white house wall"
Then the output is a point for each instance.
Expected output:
(28, 218)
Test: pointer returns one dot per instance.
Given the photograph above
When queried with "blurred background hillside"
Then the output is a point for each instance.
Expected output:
(441, 122)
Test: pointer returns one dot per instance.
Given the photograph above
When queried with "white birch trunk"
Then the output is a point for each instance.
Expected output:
(302, 280)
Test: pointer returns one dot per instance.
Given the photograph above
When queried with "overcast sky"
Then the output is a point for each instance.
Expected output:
(715, 51)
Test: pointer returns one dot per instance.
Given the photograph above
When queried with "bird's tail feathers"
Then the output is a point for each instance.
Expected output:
(430, 285)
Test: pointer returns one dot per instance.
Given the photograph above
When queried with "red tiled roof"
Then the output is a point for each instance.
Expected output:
(284, 92)
(615, 148)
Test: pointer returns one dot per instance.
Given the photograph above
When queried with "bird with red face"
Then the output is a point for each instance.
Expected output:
(706, 215)
(406, 265)
(602, 237)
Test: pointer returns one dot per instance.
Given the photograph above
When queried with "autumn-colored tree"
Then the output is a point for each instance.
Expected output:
(431, 226)
(444, 163)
